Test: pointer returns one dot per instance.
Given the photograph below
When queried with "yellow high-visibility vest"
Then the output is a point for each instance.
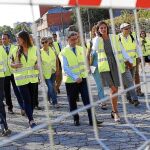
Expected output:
(56, 47)
(130, 47)
(75, 62)
(1, 64)
(27, 73)
(146, 46)
(6, 58)
(48, 62)
(103, 65)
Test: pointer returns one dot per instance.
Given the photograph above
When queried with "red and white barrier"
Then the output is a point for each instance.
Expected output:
(129, 4)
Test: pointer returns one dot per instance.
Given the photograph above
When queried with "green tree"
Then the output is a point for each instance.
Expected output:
(22, 26)
(9, 30)
(90, 17)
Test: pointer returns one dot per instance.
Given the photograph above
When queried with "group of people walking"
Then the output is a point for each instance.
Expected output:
(108, 55)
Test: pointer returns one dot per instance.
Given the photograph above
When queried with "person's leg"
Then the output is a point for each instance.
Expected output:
(98, 81)
(35, 101)
(17, 93)
(2, 107)
(85, 97)
(132, 72)
(58, 81)
(128, 82)
(51, 91)
(33, 94)
(137, 79)
(114, 102)
(7, 91)
(72, 93)
(25, 92)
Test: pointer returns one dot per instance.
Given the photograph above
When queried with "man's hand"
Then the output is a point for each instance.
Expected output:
(128, 65)
(78, 80)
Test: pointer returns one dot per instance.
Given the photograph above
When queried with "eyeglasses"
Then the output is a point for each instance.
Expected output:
(45, 42)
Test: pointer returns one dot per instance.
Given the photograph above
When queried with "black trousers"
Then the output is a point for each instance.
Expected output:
(7, 90)
(28, 93)
(2, 107)
(73, 90)
(35, 99)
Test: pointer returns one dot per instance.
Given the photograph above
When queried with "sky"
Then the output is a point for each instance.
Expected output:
(10, 14)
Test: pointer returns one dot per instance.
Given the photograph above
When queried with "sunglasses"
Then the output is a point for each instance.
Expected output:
(45, 42)
(126, 28)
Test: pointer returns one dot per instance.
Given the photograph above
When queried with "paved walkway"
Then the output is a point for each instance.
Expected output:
(69, 137)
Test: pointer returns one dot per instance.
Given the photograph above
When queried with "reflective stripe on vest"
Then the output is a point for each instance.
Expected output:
(102, 59)
(26, 77)
(1, 70)
(23, 69)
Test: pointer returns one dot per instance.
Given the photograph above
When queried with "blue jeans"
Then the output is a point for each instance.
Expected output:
(97, 78)
(51, 89)
(28, 92)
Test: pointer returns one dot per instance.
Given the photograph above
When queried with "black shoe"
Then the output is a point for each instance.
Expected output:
(140, 94)
(76, 122)
(6, 132)
(37, 108)
(98, 123)
(10, 111)
(32, 125)
(136, 103)
(130, 101)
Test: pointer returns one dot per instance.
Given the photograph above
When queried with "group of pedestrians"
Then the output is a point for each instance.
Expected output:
(19, 67)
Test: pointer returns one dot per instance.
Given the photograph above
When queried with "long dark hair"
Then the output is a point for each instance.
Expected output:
(26, 38)
(99, 24)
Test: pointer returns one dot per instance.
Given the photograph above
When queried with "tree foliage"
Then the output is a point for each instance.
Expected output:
(22, 26)
(13, 31)
(90, 17)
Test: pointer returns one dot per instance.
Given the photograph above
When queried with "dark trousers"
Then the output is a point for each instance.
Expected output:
(35, 99)
(28, 92)
(7, 90)
(73, 90)
(137, 76)
(2, 107)
(132, 71)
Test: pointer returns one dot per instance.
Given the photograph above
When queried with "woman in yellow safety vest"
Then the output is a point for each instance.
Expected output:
(49, 68)
(107, 65)
(24, 64)
(145, 41)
